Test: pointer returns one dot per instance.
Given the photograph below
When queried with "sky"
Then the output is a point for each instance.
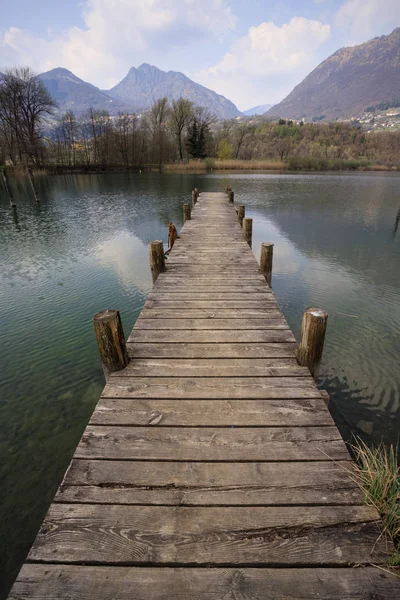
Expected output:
(251, 51)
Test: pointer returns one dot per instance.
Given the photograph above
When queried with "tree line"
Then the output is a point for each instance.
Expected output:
(31, 133)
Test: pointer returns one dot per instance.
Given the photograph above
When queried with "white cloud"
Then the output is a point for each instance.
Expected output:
(119, 33)
(262, 65)
(363, 19)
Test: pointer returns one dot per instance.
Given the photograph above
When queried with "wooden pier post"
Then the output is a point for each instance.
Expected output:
(194, 198)
(313, 327)
(111, 341)
(33, 185)
(8, 187)
(267, 252)
(186, 212)
(231, 196)
(157, 258)
(248, 230)
(241, 213)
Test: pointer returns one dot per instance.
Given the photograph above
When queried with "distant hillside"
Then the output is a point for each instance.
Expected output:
(347, 83)
(72, 93)
(257, 110)
(146, 83)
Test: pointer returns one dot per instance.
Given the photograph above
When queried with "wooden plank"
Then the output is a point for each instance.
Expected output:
(211, 295)
(267, 536)
(209, 483)
(200, 313)
(272, 444)
(216, 337)
(162, 288)
(227, 413)
(70, 582)
(211, 387)
(178, 303)
(212, 323)
(191, 350)
(213, 367)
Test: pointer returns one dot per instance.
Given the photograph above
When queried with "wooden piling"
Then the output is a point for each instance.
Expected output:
(186, 212)
(8, 187)
(194, 198)
(157, 259)
(231, 196)
(241, 214)
(33, 185)
(313, 327)
(110, 340)
(267, 252)
(248, 230)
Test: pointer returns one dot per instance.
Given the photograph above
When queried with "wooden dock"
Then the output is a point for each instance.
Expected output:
(211, 467)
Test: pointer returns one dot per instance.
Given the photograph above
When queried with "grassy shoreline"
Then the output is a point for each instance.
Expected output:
(378, 476)
(292, 164)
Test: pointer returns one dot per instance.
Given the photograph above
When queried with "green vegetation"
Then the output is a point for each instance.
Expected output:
(378, 476)
(395, 103)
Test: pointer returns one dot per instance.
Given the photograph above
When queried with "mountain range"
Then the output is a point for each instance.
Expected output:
(136, 92)
(343, 86)
(348, 83)
(257, 110)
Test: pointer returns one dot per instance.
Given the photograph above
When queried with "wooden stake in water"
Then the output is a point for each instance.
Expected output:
(186, 212)
(267, 251)
(8, 187)
(248, 231)
(313, 328)
(241, 214)
(111, 341)
(157, 258)
(33, 185)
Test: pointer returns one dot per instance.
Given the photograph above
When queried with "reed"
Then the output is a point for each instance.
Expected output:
(378, 476)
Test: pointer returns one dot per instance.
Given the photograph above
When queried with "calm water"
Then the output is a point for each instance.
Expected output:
(85, 249)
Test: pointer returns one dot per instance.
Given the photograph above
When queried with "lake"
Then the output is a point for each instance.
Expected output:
(85, 249)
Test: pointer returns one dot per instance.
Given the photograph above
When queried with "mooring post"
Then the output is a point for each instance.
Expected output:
(157, 258)
(228, 189)
(313, 327)
(111, 341)
(186, 213)
(248, 230)
(194, 198)
(8, 187)
(231, 195)
(33, 185)
(241, 214)
(197, 192)
(267, 252)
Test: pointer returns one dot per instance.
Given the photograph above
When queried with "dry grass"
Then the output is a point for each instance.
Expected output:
(191, 165)
(225, 165)
(375, 167)
(244, 165)
(378, 476)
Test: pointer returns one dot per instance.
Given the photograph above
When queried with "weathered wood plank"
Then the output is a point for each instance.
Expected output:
(214, 367)
(210, 295)
(193, 350)
(227, 413)
(179, 303)
(212, 323)
(211, 387)
(207, 484)
(197, 313)
(267, 536)
(271, 444)
(216, 337)
(70, 582)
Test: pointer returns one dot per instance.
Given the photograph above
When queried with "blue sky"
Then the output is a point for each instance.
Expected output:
(253, 51)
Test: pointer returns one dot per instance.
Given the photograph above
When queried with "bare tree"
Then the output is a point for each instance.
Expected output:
(24, 103)
(181, 114)
(157, 120)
